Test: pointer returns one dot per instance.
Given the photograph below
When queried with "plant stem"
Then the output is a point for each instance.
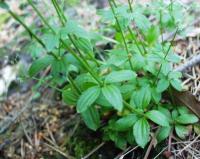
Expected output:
(26, 27)
(165, 56)
(131, 32)
(122, 34)
(71, 81)
(58, 12)
(135, 40)
(40, 15)
(129, 3)
(62, 15)
(128, 106)
(44, 82)
(80, 59)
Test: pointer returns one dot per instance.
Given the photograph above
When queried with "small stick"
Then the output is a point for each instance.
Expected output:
(192, 142)
(192, 62)
(122, 156)
(94, 150)
(153, 140)
(59, 151)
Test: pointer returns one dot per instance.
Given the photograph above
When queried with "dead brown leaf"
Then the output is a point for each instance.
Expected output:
(187, 99)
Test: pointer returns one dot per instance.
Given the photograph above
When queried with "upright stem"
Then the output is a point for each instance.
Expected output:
(122, 34)
(130, 6)
(166, 55)
(58, 12)
(71, 81)
(40, 15)
(131, 32)
(81, 58)
(26, 27)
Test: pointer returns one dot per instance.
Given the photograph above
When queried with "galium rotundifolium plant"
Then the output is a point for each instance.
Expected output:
(123, 84)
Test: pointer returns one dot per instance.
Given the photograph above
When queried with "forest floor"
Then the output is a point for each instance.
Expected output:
(45, 127)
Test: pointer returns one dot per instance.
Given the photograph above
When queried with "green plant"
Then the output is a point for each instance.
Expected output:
(128, 81)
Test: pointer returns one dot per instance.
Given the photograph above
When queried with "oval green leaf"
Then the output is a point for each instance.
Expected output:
(113, 96)
(125, 122)
(157, 117)
(120, 76)
(87, 98)
(40, 64)
(141, 132)
(91, 118)
(187, 119)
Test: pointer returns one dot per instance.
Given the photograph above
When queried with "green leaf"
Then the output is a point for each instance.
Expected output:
(163, 84)
(125, 122)
(4, 5)
(120, 76)
(102, 101)
(141, 132)
(40, 64)
(181, 131)
(183, 110)
(34, 49)
(166, 112)
(51, 41)
(163, 133)
(91, 118)
(157, 117)
(187, 119)
(69, 97)
(141, 98)
(176, 84)
(113, 96)
(156, 96)
(174, 75)
(173, 57)
(166, 68)
(152, 35)
(84, 45)
(141, 21)
(87, 98)
(117, 57)
(73, 28)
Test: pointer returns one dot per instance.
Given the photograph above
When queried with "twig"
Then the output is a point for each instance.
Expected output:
(149, 148)
(192, 62)
(188, 145)
(122, 156)
(170, 141)
(59, 151)
(93, 151)
(153, 140)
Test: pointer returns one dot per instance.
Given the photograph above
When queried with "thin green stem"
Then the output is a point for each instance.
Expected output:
(135, 40)
(166, 55)
(40, 15)
(26, 27)
(122, 34)
(130, 31)
(58, 12)
(44, 82)
(128, 106)
(89, 54)
(130, 6)
(71, 81)
(80, 59)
